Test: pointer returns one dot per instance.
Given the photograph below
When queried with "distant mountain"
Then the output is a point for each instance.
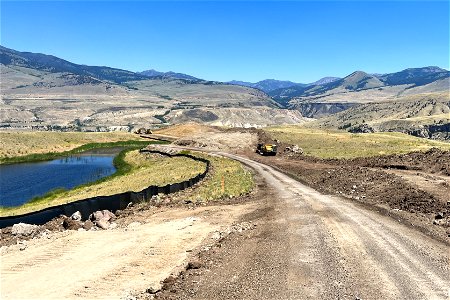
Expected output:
(54, 64)
(267, 85)
(154, 73)
(415, 76)
(325, 80)
(359, 81)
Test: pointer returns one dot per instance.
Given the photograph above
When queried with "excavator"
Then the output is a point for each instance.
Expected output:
(266, 149)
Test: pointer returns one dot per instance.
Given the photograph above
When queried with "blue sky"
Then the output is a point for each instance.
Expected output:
(296, 40)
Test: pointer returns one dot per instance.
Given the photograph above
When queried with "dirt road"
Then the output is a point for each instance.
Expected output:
(314, 246)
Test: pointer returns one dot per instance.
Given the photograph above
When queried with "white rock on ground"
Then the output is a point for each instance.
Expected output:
(24, 229)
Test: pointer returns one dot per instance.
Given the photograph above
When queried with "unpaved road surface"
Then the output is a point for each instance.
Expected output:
(314, 246)
(111, 264)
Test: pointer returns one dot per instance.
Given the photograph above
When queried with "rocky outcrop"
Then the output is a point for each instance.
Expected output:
(434, 132)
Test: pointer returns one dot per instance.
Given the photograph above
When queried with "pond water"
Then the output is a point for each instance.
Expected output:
(20, 183)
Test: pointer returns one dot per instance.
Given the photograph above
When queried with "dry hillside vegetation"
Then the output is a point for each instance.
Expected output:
(425, 116)
(238, 117)
(33, 99)
(372, 91)
(341, 144)
(147, 170)
(23, 143)
(417, 109)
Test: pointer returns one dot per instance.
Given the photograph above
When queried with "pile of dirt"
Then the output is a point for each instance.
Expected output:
(432, 161)
(225, 141)
(187, 129)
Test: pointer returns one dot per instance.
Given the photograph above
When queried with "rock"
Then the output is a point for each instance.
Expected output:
(168, 282)
(361, 128)
(24, 229)
(76, 216)
(194, 265)
(152, 290)
(71, 224)
(102, 218)
(88, 225)
(103, 224)
(440, 222)
(297, 149)
(439, 215)
(113, 225)
(105, 215)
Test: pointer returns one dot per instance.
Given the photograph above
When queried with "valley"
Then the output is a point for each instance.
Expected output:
(46, 93)
(220, 150)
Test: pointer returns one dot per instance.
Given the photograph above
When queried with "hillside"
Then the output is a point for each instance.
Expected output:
(426, 115)
(267, 85)
(393, 84)
(170, 74)
(43, 92)
(359, 87)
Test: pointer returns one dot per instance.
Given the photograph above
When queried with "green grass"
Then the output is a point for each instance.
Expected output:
(20, 143)
(342, 144)
(237, 180)
(52, 155)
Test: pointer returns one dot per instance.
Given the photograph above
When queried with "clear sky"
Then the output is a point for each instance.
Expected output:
(244, 40)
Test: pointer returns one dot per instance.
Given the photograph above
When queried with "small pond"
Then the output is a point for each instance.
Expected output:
(21, 182)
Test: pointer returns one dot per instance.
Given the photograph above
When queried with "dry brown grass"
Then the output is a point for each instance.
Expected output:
(19, 143)
(342, 144)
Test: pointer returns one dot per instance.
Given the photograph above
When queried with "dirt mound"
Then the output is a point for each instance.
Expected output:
(187, 129)
(226, 141)
(432, 161)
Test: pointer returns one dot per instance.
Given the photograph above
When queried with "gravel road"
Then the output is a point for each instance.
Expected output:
(315, 246)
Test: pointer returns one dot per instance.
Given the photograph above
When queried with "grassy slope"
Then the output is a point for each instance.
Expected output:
(340, 144)
(23, 143)
(145, 171)
(237, 180)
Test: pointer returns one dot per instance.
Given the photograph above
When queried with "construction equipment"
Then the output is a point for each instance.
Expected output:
(267, 149)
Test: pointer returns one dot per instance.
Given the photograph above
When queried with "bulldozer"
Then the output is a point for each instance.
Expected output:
(267, 149)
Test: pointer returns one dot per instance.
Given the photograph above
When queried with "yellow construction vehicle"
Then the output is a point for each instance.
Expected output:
(267, 149)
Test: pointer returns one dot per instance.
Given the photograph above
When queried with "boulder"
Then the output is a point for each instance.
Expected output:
(88, 225)
(194, 265)
(102, 218)
(103, 224)
(105, 215)
(76, 216)
(71, 224)
(24, 229)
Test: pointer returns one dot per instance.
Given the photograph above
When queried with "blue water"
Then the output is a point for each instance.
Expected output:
(20, 183)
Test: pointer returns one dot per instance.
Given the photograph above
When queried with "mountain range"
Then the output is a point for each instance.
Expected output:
(359, 80)
(40, 90)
